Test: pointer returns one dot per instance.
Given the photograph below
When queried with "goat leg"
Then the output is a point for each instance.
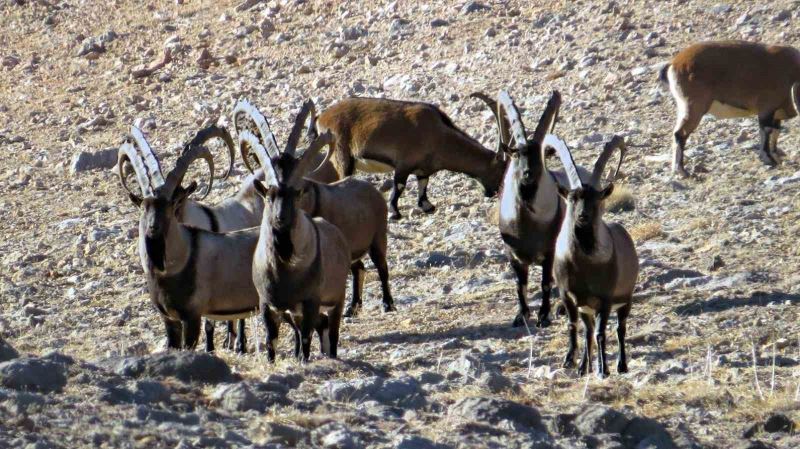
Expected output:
(543, 319)
(209, 328)
(271, 334)
(378, 256)
(174, 331)
(769, 130)
(241, 338)
(622, 319)
(422, 195)
(601, 318)
(572, 331)
(588, 330)
(521, 270)
(332, 329)
(307, 325)
(357, 270)
(191, 331)
(400, 178)
(230, 336)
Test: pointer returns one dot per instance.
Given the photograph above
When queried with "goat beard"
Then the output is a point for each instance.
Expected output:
(156, 251)
(584, 233)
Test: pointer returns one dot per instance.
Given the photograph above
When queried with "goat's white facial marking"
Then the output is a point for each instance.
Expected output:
(510, 199)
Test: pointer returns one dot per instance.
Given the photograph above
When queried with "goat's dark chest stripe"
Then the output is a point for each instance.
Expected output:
(174, 292)
(212, 219)
(586, 238)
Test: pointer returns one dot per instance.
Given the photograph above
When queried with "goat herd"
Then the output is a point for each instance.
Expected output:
(284, 244)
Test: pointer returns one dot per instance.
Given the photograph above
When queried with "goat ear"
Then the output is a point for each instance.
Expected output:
(261, 189)
(607, 191)
(136, 200)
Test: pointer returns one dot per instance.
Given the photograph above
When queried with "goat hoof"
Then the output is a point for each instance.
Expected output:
(543, 322)
(395, 216)
(581, 371)
(389, 308)
(622, 368)
(681, 173)
(427, 207)
(768, 158)
(568, 363)
(352, 310)
(520, 320)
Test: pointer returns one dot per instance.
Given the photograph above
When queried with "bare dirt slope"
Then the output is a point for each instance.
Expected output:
(718, 286)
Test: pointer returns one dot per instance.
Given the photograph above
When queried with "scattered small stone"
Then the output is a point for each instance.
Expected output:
(472, 6)
(7, 352)
(494, 411)
(716, 263)
(598, 418)
(435, 23)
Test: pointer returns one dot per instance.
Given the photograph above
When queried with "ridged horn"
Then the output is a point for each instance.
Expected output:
(175, 177)
(154, 173)
(616, 142)
(218, 132)
(262, 126)
(128, 154)
(304, 163)
(247, 142)
(299, 122)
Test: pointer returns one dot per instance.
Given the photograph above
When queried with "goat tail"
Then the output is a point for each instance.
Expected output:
(662, 74)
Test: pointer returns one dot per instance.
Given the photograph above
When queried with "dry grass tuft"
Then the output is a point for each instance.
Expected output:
(621, 200)
(646, 231)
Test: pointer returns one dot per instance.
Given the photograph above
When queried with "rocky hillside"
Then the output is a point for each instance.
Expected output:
(714, 336)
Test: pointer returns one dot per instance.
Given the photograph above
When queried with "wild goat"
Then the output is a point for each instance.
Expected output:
(596, 265)
(731, 79)
(301, 263)
(530, 209)
(190, 272)
(240, 212)
(380, 135)
(352, 205)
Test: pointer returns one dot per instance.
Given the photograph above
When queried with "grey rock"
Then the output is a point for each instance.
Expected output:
(646, 433)
(465, 367)
(721, 9)
(600, 419)
(416, 442)
(436, 23)
(291, 436)
(472, 6)
(782, 16)
(92, 45)
(187, 366)
(22, 402)
(33, 374)
(237, 398)
(7, 352)
(341, 439)
(499, 412)
(404, 391)
(496, 382)
(779, 423)
(86, 160)
(145, 413)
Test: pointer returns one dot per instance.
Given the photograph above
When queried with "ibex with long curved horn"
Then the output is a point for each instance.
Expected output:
(596, 265)
(190, 272)
(301, 263)
(352, 205)
(530, 209)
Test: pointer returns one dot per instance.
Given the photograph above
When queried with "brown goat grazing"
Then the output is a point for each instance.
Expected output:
(411, 138)
(731, 79)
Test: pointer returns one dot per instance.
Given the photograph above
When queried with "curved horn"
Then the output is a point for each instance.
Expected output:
(327, 157)
(796, 97)
(503, 133)
(268, 139)
(150, 160)
(247, 141)
(303, 165)
(608, 150)
(548, 120)
(565, 155)
(127, 153)
(175, 177)
(219, 132)
(516, 126)
(299, 121)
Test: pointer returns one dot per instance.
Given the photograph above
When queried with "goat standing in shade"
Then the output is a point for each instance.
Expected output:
(596, 265)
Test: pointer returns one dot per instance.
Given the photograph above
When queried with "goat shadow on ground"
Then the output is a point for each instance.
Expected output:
(476, 332)
(722, 303)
